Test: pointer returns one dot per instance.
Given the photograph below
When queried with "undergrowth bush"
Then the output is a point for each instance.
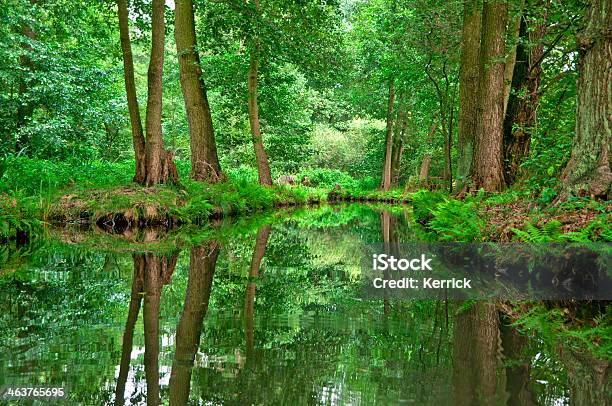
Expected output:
(454, 220)
(446, 219)
(18, 214)
(424, 203)
(44, 177)
(328, 178)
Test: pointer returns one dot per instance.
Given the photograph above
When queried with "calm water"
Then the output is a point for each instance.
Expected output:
(267, 312)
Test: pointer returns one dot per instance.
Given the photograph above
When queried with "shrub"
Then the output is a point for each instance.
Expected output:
(424, 203)
(328, 178)
(454, 220)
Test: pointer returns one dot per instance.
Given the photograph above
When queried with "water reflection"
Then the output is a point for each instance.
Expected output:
(272, 317)
(202, 262)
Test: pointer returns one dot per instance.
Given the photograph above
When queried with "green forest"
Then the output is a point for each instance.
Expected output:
(225, 164)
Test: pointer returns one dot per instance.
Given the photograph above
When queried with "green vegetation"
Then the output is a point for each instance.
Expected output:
(132, 131)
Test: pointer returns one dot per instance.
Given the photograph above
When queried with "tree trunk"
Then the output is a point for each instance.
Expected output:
(487, 167)
(514, 30)
(398, 141)
(158, 162)
(524, 99)
(468, 90)
(128, 332)
(204, 160)
(589, 169)
(130, 90)
(448, 141)
(424, 173)
(202, 262)
(261, 242)
(263, 168)
(385, 182)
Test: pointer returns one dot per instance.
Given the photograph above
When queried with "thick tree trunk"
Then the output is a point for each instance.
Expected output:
(263, 168)
(204, 160)
(158, 162)
(398, 141)
(524, 99)
(478, 377)
(468, 90)
(130, 89)
(589, 171)
(128, 332)
(487, 165)
(385, 182)
(261, 243)
(202, 262)
(424, 172)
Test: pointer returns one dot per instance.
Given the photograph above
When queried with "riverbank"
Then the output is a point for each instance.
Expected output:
(34, 193)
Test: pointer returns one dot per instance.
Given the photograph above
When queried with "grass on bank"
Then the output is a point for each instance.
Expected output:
(33, 192)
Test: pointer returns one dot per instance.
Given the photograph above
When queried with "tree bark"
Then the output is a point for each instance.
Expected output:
(589, 169)
(398, 141)
(202, 263)
(385, 182)
(514, 30)
(487, 166)
(158, 162)
(261, 243)
(468, 90)
(424, 173)
(263, 167)
(130, 89)
(204, 160)
(524, 99)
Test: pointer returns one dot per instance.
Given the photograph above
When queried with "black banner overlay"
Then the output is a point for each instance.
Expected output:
(517, 271)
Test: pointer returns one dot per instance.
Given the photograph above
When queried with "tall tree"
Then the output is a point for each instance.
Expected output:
(524, 98)
(398, 139)
(424, 172)
(468, 90)
(138, 140)
(589, 170)
(204, 160)
(263, 167)
(385, 182)
(153, 163)
(487, 167)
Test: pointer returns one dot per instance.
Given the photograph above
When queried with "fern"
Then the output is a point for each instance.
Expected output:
(549, 232)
